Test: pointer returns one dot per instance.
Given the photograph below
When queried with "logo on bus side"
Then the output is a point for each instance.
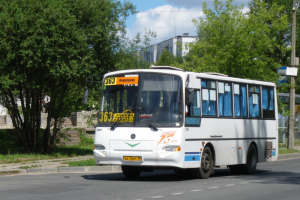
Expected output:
(167, 137)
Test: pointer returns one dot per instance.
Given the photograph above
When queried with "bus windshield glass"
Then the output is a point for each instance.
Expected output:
(142, 100)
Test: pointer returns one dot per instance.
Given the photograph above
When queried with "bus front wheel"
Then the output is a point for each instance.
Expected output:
(206, 165)
(130, 171)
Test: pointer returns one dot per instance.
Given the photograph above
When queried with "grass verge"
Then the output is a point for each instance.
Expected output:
(9, 172)
(89, 162)
(282, 149)
(11, 153)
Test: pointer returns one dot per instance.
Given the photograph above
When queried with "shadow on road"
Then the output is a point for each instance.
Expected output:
(167, 176)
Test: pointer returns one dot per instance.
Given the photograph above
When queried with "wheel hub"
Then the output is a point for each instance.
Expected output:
(205, 164)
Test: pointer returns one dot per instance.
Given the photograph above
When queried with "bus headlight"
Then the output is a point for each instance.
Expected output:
(99, 147)
(172, 149)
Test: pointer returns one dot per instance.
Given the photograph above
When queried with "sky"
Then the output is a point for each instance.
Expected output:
(168, 17)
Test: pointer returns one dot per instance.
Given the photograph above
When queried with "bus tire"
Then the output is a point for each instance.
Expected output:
(206, 165)
(130, 171)
(250, 166)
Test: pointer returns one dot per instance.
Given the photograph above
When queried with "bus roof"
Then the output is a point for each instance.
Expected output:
(183, 74)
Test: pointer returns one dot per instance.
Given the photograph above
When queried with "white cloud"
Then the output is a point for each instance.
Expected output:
(198, 3)
(163, 22)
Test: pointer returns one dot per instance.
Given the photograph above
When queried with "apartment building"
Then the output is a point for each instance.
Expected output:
(178, 46)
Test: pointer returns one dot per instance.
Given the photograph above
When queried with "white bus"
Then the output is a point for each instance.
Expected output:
(168, 118)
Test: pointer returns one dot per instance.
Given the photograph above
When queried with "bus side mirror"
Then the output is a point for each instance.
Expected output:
(85, 96)
(190, 96)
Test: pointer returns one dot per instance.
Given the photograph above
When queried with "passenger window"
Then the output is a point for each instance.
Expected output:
(240, 100)
(225, 102)
(209, 98)
(254, 101)
(196, 106)
(268, 102)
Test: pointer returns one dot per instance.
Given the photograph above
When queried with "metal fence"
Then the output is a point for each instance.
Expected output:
(282, 134)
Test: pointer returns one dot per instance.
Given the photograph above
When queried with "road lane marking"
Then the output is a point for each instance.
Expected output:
(211, 188)
(156, 197)
(229, 185)
(177, 193)
(195, 190)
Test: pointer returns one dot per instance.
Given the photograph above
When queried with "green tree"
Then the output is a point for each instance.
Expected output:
(237, 43)
(168, 59)
(49, 47)
(130, 53)
(284, 37)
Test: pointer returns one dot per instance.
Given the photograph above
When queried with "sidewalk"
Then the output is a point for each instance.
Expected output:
(56, 165)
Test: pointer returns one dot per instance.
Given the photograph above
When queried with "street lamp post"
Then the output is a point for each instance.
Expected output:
(292, 83)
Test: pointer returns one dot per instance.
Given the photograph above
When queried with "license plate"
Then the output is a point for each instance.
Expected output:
(132, 158)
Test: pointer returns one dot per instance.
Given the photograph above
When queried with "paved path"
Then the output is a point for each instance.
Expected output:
(297, 147)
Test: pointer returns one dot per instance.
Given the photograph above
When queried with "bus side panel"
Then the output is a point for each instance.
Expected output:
(227, 152)
(231, 138)
(192, 154)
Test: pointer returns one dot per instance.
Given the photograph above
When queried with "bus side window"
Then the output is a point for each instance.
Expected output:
(268, 102)
(225, 101)
(196, 106)
(209, 98)
(240, 100)
(254, 101)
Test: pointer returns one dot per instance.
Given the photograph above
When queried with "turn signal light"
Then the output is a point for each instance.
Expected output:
(177, 149)
(174, 149)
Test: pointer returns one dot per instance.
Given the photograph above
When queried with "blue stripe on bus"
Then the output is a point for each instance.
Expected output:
(274, 153)
(192, 152)
(192, 158)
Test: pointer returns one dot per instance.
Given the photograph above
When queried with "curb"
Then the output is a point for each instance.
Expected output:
(286, 156)
(111, 168)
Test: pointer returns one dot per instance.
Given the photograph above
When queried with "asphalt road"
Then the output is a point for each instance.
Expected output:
(276, 180)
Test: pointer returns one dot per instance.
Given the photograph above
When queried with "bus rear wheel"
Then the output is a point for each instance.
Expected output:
(250, 166)
(206, 165)
(131, 171)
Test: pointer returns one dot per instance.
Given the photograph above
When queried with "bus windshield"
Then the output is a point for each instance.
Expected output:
(142, 100)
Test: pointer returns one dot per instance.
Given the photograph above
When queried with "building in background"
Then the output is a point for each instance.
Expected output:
(178, 46)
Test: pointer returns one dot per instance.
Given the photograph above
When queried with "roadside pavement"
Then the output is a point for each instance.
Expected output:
(56, 165)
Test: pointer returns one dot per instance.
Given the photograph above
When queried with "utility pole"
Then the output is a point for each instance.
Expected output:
(292, 87)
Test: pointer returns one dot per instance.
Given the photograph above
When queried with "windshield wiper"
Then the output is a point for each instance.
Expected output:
(148, 119)
(114, 126)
